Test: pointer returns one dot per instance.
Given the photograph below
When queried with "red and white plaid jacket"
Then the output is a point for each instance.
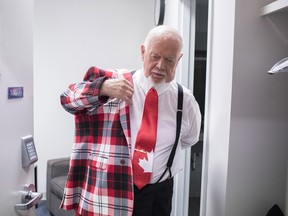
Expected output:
(100, 175)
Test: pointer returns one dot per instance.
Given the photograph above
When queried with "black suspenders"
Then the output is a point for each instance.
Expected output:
(178, 128)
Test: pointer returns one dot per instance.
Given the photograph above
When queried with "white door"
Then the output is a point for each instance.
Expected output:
(16, 115)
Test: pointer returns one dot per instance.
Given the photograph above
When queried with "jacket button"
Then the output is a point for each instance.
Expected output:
(122, 161)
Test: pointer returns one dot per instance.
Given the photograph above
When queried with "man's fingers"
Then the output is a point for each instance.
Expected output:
(118, 88)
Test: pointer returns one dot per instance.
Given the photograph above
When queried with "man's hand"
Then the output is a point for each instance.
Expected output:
(117, 88)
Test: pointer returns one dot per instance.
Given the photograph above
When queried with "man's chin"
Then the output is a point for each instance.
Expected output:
(156, 80)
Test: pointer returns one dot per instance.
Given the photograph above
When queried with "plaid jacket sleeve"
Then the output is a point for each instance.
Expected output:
(80, 97)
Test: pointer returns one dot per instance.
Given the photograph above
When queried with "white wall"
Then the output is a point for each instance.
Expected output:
(246, 116)
(16, 116)
(69, 37)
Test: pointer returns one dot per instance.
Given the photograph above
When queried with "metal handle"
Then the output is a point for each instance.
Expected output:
(29, 198)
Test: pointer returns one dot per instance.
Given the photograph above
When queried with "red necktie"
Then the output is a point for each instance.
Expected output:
(145, 142)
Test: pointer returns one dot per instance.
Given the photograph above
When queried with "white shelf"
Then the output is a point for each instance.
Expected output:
(273, 7)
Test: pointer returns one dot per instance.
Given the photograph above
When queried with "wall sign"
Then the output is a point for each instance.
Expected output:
(15, 92)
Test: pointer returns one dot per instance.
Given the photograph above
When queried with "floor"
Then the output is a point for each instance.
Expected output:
(42, 209)
(194, 206)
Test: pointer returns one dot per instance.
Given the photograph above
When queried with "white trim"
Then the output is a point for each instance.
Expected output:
(205, 159)
(180, 199)
(192, 44)
(187, 22)
(274, 7)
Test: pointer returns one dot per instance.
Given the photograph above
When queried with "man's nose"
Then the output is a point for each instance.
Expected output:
(161, 64)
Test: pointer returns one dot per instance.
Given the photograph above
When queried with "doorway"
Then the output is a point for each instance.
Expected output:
(199, 86)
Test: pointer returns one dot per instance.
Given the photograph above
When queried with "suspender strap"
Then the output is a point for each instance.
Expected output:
(178, 128)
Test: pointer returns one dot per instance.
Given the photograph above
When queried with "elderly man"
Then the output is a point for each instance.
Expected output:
(126, 132)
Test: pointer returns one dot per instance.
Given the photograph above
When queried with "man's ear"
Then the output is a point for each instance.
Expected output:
(180, 56)
(142, 51)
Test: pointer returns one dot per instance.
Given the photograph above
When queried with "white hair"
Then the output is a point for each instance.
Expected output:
(163, 31)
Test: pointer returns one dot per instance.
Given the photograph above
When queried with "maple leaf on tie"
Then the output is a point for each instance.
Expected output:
(147, 164)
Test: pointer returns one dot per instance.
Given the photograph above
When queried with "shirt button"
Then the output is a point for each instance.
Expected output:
(122, 161)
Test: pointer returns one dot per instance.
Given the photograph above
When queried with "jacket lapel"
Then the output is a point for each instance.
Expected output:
(125, 117)
(125, 122)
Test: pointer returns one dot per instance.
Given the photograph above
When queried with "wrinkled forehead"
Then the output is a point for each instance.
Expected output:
(164, 45)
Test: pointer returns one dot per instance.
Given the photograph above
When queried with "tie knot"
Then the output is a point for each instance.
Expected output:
(152, 98)
(152, 91)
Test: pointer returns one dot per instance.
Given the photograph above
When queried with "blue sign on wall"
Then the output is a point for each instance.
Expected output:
(15, 92)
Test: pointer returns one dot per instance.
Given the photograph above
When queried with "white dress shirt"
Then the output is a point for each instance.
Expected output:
(166, 129)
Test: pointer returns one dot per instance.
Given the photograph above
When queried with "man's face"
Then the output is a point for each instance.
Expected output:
(160, 59)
